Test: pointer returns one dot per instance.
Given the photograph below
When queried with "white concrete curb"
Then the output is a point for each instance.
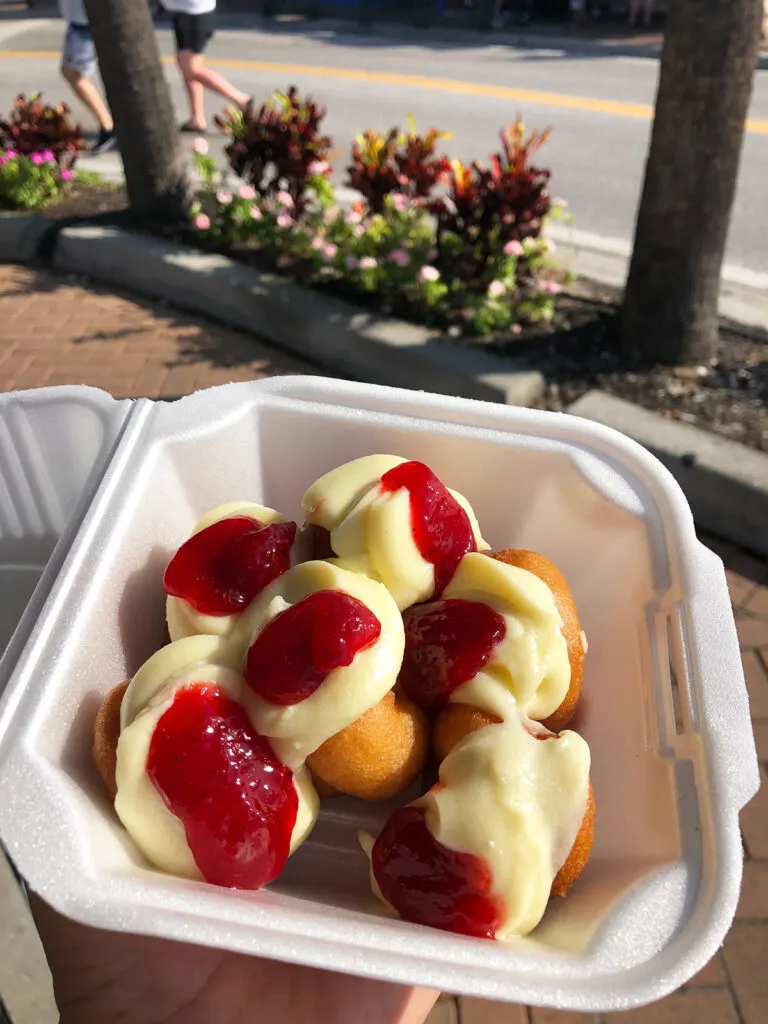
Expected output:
(21, 235)
(318, 327)
(726, 483)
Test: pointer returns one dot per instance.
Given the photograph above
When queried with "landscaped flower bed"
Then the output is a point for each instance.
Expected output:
(39, 146)
(435, 240)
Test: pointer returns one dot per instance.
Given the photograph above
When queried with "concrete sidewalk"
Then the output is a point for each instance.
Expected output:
(56, 330)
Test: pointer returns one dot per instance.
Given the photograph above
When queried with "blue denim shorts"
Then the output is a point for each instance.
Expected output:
(79, 52)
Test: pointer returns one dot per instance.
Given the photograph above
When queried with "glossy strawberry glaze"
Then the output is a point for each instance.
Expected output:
(297, 650)
(236, 800)
(429, 884)
(446, 644)
(441, 528)
(221, 569)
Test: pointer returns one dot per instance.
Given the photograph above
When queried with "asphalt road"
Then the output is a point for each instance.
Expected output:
(598, 107)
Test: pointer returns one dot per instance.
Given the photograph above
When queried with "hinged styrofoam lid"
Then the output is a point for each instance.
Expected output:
(54, 446)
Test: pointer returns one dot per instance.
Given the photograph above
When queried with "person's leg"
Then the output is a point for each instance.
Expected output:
(88, 95)
(194, 70)
(194, 94)
(78, 62)
(648, 12)
(184, 31)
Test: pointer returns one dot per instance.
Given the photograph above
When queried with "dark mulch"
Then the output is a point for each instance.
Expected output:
(91, 203)
(577, 352)
(580, 351)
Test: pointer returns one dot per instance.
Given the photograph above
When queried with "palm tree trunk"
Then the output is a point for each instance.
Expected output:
(670, 305)
(137, 92)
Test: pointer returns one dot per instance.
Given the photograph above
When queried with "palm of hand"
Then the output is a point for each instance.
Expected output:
(100, 977)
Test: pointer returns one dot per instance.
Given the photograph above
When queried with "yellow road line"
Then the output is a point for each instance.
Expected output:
(619, 108)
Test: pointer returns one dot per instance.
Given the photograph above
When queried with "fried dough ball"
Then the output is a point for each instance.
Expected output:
(574, 638)
(106, 733)
(377, 756)
(318, 542)
(455, 722)
(579, 855)
(323, 790)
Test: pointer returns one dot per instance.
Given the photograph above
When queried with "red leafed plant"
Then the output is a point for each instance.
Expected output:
(373, 171)
(34, 126)
(279, 146)
(487, 207)
(382, 164)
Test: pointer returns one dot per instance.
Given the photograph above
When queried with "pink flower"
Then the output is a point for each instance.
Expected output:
(358, 230)
(516, 329)
(368, 263)
(399, 201)
(354, 217)
(255, 213)
(317, 167)
(11, 154)
(201, 146)
(329, 216)
(225, 198)
(317, 243)
(284, 220)
(66, 175)
(551, 247)
(48, 157)
(202, 222)
(513, 248)
(428, 274)
(551, 288)
(247, 192)
(284, 198)
(350, 262)
(330, 251)
(37, 159)
(400, 257)
(496, 289)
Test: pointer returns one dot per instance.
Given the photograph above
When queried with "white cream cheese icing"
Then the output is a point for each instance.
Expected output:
(183, 619)
(296, 730)
(371, 531)
(532, 659)
(157, 832)
(517, 802)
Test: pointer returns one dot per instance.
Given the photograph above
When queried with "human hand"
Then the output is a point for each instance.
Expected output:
(101, 977)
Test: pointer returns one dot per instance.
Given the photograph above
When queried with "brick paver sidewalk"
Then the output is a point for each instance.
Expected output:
(55, 330)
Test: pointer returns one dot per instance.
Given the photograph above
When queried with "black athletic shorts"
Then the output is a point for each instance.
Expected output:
(193, 30)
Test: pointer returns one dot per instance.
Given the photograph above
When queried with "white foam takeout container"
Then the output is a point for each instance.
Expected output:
(664, 707)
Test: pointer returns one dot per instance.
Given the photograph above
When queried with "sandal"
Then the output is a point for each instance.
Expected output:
(190, 128)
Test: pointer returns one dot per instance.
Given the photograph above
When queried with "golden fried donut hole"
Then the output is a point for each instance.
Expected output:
(551, 575)
(579, 855)
(459, 720)
(377, 756)
(455, 722)
(106, 733)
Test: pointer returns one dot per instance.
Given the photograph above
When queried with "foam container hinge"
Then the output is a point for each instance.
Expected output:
(54, 446)
(664, 708)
